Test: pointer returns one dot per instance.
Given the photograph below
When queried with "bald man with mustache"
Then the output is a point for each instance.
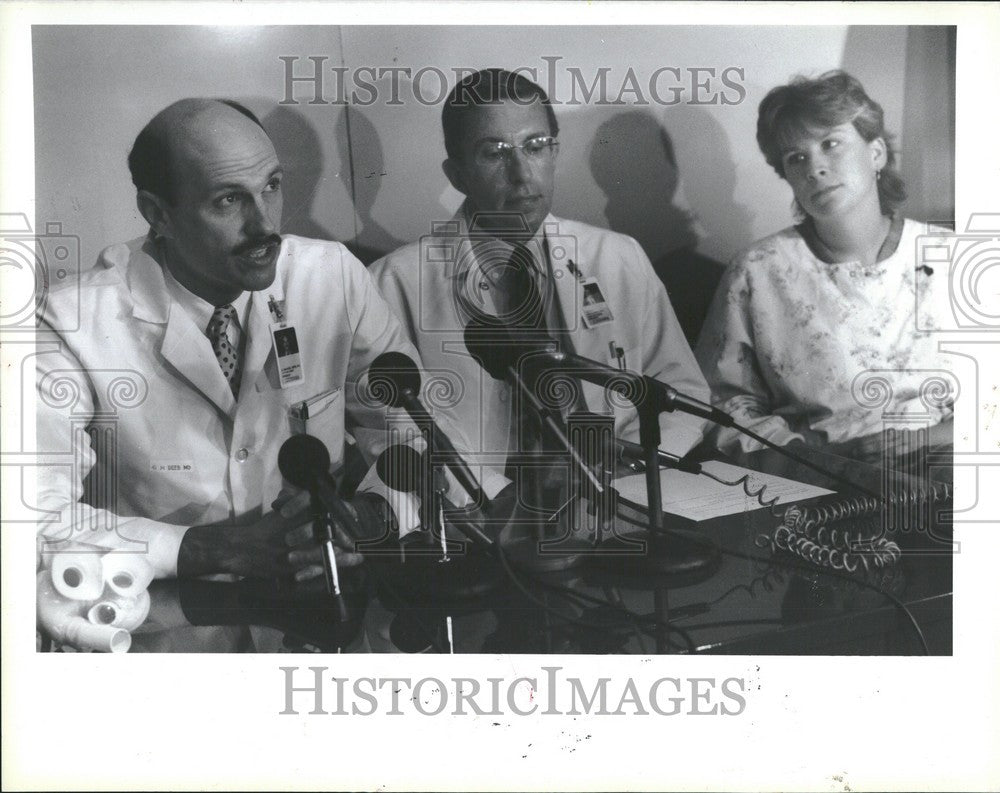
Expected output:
(185, 316)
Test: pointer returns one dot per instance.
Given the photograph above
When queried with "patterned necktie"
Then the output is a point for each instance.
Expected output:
(520, 294)
(521, 305)
(227, 356)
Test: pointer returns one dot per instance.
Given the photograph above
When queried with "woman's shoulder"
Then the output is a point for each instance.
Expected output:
(917, 229)
(925, 227)
(916, 236)
(776, 250)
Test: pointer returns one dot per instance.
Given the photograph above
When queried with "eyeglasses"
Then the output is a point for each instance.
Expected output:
(535, 149)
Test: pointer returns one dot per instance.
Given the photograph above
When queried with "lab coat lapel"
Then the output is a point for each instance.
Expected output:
(586, 342)
(259, 321)
(472, 290)
(565, 285)
(184, 346)
(188, 349)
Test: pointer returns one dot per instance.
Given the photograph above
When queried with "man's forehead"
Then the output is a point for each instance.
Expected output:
(506, 117)
(221, 143)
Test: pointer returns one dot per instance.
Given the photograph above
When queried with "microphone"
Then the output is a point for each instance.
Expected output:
(634, 452)
(403, 468)
(394, 381)
(677, 553)
(498, 351)
(499, 348)
(305, 462)
(669, 398)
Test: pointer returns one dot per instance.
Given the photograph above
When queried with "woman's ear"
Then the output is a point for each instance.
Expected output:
(880, 153)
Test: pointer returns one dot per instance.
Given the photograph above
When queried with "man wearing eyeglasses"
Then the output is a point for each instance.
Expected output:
(504, 255)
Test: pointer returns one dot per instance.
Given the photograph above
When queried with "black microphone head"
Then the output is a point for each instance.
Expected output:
(401, 467)
(302, 458)
(390, 376)
(498, 347)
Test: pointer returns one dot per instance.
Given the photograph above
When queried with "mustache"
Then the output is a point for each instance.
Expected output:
(249, 245)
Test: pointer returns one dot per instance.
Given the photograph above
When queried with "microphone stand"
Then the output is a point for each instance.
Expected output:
(677, 553)
(323, 534)
(430, 571)
(688, 555)
(530, 552)
(649, 439)
(302, 612)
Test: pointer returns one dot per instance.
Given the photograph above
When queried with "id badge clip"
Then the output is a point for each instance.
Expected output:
(595, 307)
(285, 344)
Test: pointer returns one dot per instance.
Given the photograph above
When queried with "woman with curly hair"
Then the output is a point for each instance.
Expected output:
(805, 317)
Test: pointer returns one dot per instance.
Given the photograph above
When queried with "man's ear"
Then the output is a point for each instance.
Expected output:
(156, 212)
(453, 171)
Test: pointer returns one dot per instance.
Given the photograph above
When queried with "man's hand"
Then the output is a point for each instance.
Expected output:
(280, 544)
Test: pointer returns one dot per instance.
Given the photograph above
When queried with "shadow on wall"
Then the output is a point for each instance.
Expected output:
(362, 169)
(298, 146)
(633, 161)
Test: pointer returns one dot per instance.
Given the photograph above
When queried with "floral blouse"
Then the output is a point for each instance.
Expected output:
(796, 347)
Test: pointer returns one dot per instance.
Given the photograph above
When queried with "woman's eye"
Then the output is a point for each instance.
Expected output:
(227, 200)
(794, 159)
(831, 144)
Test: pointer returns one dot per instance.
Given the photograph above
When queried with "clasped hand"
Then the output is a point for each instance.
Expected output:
(280, 544)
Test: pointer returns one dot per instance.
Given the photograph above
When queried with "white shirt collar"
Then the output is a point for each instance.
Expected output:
(199, 309)
(535, 244)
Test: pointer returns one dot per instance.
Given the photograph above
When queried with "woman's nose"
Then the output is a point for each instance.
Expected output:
(818, 167)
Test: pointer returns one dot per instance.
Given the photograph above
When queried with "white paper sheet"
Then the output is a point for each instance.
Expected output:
(701, 498)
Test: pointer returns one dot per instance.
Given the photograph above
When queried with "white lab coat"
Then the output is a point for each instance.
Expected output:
(437, 284)
(169, 446)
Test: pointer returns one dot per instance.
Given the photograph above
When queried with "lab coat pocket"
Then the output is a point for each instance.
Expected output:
(618, 402)
(321, 416)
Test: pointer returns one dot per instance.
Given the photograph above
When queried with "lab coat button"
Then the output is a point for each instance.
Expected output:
(242, 455)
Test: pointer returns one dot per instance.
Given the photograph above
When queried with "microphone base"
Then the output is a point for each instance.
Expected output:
(425, 579)
(526, 552)
(305, 613)
(676, 558)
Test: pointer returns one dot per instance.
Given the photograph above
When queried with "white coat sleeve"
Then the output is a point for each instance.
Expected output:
(667, 357)
(69, 481)
(376, 330)
(403, 295)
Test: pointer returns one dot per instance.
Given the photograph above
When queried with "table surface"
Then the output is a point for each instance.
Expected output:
(755, 601)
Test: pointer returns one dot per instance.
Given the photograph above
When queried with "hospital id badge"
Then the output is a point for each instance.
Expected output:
(285, 344)
(286, 353)
(595, 307)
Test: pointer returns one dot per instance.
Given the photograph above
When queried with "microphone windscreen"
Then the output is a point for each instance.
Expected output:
(401, 467)
(390, 375)
(303, 458)
(498, 348)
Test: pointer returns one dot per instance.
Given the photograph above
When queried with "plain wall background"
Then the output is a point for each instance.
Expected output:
(672, 176)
